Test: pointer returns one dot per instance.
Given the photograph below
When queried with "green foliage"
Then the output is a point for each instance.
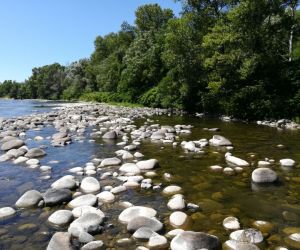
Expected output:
(234, 57)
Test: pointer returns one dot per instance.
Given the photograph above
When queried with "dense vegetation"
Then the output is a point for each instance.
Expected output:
(235, 57)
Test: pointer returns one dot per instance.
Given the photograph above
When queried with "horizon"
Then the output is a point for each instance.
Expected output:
(39, 34)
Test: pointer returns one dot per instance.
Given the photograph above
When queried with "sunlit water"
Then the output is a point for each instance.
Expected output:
(217, 194)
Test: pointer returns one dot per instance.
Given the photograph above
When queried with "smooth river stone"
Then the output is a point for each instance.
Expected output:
(15, 143)
(130, 213)
(189, 240)
(85, 237)
(29, 199)
(147, 164)
(264, 175)
(130, 168)
(90, 185)
(54, 197)
(94, 245)
(178, 219)
(35, 152)
(177, 202)
(143, 233)
(235, 161)
(83, 200)
(287, 162)
(238, 245)
(249, 235)
(173, 189)
(106, 197)
(231, 223)
(88, 222)
(20, 159)
(219, 140)
(110, 135)
(79, 211)
(67, 182)
(6, 212)
(110, 162)
(142, 221)
(157, 241)
(61, 217)
(60, 241)
(138, 155)
(33, 162)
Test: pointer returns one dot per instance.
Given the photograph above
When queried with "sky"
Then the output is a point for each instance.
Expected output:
(34, 33)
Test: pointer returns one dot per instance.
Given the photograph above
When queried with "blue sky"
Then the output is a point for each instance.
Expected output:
(38, 32)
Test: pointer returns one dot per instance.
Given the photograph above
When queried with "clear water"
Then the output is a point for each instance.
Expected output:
(217, 194)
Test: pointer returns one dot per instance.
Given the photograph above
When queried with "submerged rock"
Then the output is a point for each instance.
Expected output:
(231, 223)
(249, 235)
(189, 240)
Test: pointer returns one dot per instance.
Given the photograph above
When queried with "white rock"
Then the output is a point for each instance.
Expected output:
(132, 212)
(106, 197)
(173, 189)
(83, 200)
(130, 168)
(79, 211)
(287, 162)
(6, 212)
(232, 160)
(263, 175)
(178, 219)
(231, 223)
(90, 185)
(177, 202)
(147, 164)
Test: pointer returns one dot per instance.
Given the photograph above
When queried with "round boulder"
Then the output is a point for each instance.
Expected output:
(264, 175)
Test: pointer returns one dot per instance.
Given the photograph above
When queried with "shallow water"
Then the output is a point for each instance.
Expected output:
(217, 194)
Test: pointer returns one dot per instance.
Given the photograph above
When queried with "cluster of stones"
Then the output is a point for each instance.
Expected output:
(82, 192)
(281, 124)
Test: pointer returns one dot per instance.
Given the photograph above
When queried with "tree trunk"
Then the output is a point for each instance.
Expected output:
(293, 10)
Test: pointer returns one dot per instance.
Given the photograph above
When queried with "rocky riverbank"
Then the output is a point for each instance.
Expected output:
(81, 197)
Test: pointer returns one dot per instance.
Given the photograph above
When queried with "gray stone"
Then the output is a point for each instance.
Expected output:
(263, 175)
(66, 182)
(85, 237)
(106, 197)
(110, 135)
(90, 185)
(79, 211)
(249, 235)
(189, 240)
(147, 164)
(130, 168)
(178, 219)
(29, 199)
(54, 197)
(60, 241)
(6, 212)
(89, 222)
(94, 245)
(35, 152)
(83, 200)
(15, 143)
(114, 161)
(142, 221)
(143, 233)
(61, 217)
(177, 202)
(219, 140)
(157, 241)
(129, 213)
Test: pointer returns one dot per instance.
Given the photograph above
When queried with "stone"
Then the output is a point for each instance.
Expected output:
(238, 245)
(130, 168)
(235, 161)
(190, 146)
(263, 164)
(231, 223)
(189, 240)
(114, 161)
(75, 170)
(94, 245)
(287, 162)
(249, 235)
(264, 175)
(20, 159)
(29, 199)
(83, 200)
(147, 164)
(106, 197)
(61, 217)
(66, 182)
(118, 189)
(219, 140)
(54, 197)
(14, 143)
(45, 168)
(89, 222)
(90, 185)
(173, 189)
(178, 219)
(157, 241)
(6, 212)
(79, 211)
(129, 213)
(60, 241)
(177, 202)
(33, 162)
(35, 152)
(142, 221)
(15, 153)
(85, 237)
(143, 233)
(138, 155)
(110, 135)
(174, 232)
(127, 156)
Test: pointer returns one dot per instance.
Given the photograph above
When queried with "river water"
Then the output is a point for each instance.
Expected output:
(217, 194)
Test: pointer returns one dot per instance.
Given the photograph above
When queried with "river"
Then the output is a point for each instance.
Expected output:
(219, 195)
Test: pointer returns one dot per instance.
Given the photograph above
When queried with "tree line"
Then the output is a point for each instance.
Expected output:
(234, 57)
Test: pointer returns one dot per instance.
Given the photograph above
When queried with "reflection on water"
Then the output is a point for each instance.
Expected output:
(218, 195)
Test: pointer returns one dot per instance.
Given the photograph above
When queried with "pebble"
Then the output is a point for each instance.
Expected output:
(178, 219)
(129, 213)
(83, 200)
